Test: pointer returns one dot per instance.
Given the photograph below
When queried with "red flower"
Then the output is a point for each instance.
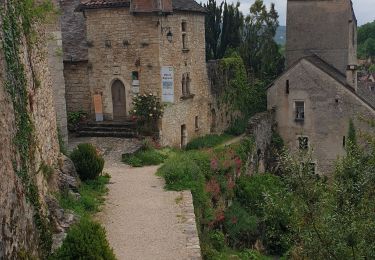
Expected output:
(214, 164)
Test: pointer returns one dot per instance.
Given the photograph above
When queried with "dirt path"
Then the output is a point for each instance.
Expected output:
(141, 219)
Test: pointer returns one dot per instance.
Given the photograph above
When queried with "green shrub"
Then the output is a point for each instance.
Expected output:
(238, 127)
(240, 226)
(144, 158)
(207, 141)
(266, 197)
(181, 172)
(85, 240)
(92, 193)
(88, 162)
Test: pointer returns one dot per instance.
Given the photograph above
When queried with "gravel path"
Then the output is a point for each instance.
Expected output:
(142, 220)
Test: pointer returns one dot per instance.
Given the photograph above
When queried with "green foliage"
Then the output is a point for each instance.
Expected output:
(224, 23)
(145, 157)
(85, 240)
(91, 197)
(237, 127)
(352, 136)
(75, 118)
(88, 162)
(366, 40)
(207, 141)
(240, 226)
(182, 171)
(62, 145)
(147, 107)
(46, 170)
(371, 69)
(259, 50)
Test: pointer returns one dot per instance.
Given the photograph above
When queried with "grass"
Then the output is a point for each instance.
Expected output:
(207, 141)
(92, 197)
(147, 157)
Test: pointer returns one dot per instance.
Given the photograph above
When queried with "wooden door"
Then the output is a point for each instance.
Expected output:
(118, 100)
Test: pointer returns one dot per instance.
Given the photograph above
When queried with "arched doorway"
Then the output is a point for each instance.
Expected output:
(118, 100)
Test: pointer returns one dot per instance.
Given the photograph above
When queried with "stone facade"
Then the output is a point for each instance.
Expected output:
(56, 68)
(324, 28)
(133, 48)
(328, 108)
(18, 231)
(19, 234)
(317, 96)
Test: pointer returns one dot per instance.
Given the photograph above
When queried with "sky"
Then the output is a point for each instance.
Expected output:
(364, 9)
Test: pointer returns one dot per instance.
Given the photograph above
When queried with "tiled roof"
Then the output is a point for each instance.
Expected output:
(178, 5)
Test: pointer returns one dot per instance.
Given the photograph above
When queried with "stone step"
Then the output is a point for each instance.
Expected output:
(124, 124)
(124, 134)
(108, 128)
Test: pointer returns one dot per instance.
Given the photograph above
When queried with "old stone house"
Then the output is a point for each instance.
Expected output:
(317, 95)
(114, 50)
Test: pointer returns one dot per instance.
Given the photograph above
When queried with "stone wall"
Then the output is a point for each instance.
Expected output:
(324, 30)
(56, 68)
(260, 129)
(329, 106)
(77, 95)
(19, 235)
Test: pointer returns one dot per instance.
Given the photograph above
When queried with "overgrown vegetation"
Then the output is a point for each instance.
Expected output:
(18, 19)
(85, 240)
(91, 197)
(75, 118)
(149, 154)
(293, 213)
(88, 162)
(207, 141)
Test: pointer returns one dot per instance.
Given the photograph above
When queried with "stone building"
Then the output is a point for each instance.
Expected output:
(134, 47)
(317, 95)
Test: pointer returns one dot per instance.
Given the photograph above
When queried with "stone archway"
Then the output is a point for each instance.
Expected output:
(118, 100)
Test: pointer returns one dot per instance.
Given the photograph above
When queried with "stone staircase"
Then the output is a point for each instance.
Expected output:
(125, 129)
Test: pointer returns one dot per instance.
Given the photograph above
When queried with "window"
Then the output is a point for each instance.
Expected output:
(287, 87)
(196, 123)
(135, 78)
(183, 26)
(312, 168)
(184, 42)
(303, 143)
(186, 84)
(343, 141)
(184, 35)
(300, 110)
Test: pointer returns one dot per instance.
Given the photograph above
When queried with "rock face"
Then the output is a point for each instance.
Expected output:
(19, 204)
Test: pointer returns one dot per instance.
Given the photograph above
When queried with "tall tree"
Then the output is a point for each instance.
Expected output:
(259, 50)
(231, 28)
(366, 40)
(213, 28)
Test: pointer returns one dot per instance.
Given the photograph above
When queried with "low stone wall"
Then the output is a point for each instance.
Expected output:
(190, 227)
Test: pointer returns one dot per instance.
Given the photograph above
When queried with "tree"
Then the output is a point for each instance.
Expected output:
(259, 50)
(366, 40)
(231, 28)
(213, 28)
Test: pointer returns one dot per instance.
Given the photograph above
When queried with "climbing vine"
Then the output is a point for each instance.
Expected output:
(18, 18)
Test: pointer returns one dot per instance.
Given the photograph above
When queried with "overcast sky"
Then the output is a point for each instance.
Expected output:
(364, 9)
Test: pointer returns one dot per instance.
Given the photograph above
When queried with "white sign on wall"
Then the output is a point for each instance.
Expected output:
(167, 84)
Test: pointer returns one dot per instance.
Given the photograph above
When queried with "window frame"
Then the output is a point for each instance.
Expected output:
(297, 113)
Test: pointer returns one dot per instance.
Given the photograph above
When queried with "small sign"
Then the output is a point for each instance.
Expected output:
(98, 105)
(167, 84)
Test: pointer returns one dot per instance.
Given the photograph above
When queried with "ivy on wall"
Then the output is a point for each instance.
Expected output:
(18, 18)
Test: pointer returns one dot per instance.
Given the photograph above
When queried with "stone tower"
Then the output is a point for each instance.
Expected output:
(326, 28)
